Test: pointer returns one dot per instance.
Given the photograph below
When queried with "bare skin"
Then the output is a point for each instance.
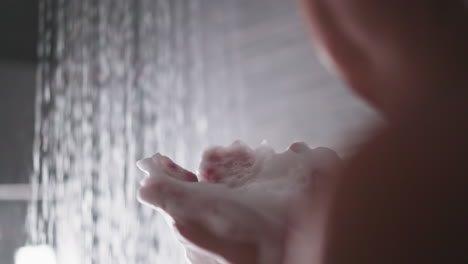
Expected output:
(242, 197)
(403, 197)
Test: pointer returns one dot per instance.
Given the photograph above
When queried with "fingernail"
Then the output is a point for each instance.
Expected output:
(143, 165)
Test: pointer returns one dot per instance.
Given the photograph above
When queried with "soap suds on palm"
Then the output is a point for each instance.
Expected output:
(240, 193)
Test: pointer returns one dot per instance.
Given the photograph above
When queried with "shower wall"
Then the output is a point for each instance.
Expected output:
(18, 37)
(289, 95)
(120, 80)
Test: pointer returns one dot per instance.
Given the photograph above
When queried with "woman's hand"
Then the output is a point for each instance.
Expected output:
(238, 207)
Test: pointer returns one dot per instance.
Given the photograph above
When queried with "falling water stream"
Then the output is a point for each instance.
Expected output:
(119, 80)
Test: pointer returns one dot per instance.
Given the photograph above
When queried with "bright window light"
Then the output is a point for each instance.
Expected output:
(41, 254)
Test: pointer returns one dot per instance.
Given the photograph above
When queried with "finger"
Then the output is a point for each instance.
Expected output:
(209, 204)
(159, 165)
(325, 167)
(306, 229)
(177, 171)
(326, 157)
(162, 192)
(320, 157)
(233, 252)
(213, 207)
(299, 147)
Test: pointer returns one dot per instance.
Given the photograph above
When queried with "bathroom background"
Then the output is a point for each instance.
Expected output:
(103, 83)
